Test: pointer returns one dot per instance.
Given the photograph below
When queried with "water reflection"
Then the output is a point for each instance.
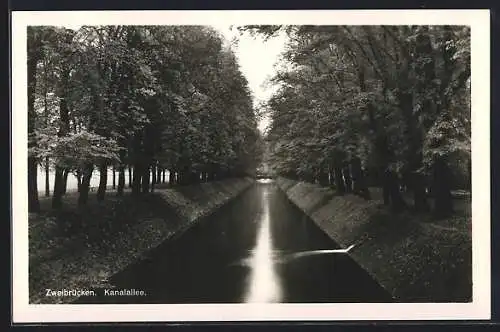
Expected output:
(258, 248)
(264, 284)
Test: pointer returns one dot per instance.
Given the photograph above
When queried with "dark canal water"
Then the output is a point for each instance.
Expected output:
(247, 252)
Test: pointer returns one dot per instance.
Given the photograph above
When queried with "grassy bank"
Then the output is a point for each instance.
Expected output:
(81, 248)
(414, 257)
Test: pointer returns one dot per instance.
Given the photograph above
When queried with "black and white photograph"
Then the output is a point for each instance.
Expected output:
(250, 166)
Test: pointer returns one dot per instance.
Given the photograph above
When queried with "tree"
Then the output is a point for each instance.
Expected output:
(369, 100)
(169, 97)
(34, 47)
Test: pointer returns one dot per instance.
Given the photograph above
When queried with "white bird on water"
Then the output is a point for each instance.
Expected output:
(287, 258)
(319, 252)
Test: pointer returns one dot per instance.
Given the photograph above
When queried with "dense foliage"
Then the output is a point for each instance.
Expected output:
(151, 98)
(374, 105)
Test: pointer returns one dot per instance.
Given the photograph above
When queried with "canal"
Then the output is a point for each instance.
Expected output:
(258, 248)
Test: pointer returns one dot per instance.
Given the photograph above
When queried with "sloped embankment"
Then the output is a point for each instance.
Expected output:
(416, 259)
(76, 263)
(192, 203)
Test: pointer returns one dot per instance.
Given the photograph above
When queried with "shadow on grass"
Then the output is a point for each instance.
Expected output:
(70, 229)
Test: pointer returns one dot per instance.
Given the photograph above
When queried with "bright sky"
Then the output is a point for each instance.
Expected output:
(256, 58)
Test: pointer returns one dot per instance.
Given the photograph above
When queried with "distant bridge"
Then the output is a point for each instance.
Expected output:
(264, 176)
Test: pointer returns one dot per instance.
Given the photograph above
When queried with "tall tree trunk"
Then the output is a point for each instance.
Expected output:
(365, 190)
(359, 182)
(331, 175)
(171, 177)
(323, 177)
(121, 179)
(414, 158)
(179, 179)
(47, 177)
(339, 180)
(183, 176)
(78, 180)
(145, 179)
(315, 175)
(419, 193)
(59, 185)
(443, 201)
(154, 177)
(121, 174)
(114, 177)
(391, 190)
(129, 176)
(58, 188)
(138, 163)
(383, 153)
(103, 181)
(84, 188)
(210, 176)
(381, 171)
(386, 184)
(154, 174)
(347, 178)
(469, 175)
(159, 174)
(195, 177)
(417, 181)
(33, 57)
(149, 144)
(307, 177)
(65, 180)
(46, 111)
(136, 183)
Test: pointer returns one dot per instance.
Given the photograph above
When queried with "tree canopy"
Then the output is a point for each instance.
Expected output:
(385, 104)
(149, 97)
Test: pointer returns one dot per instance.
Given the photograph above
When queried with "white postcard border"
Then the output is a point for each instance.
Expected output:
(479, 20)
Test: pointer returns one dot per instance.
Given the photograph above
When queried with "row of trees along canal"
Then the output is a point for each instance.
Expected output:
(363, 106)
(147, 98)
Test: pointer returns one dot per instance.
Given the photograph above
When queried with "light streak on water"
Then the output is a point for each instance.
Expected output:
(264, 284)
